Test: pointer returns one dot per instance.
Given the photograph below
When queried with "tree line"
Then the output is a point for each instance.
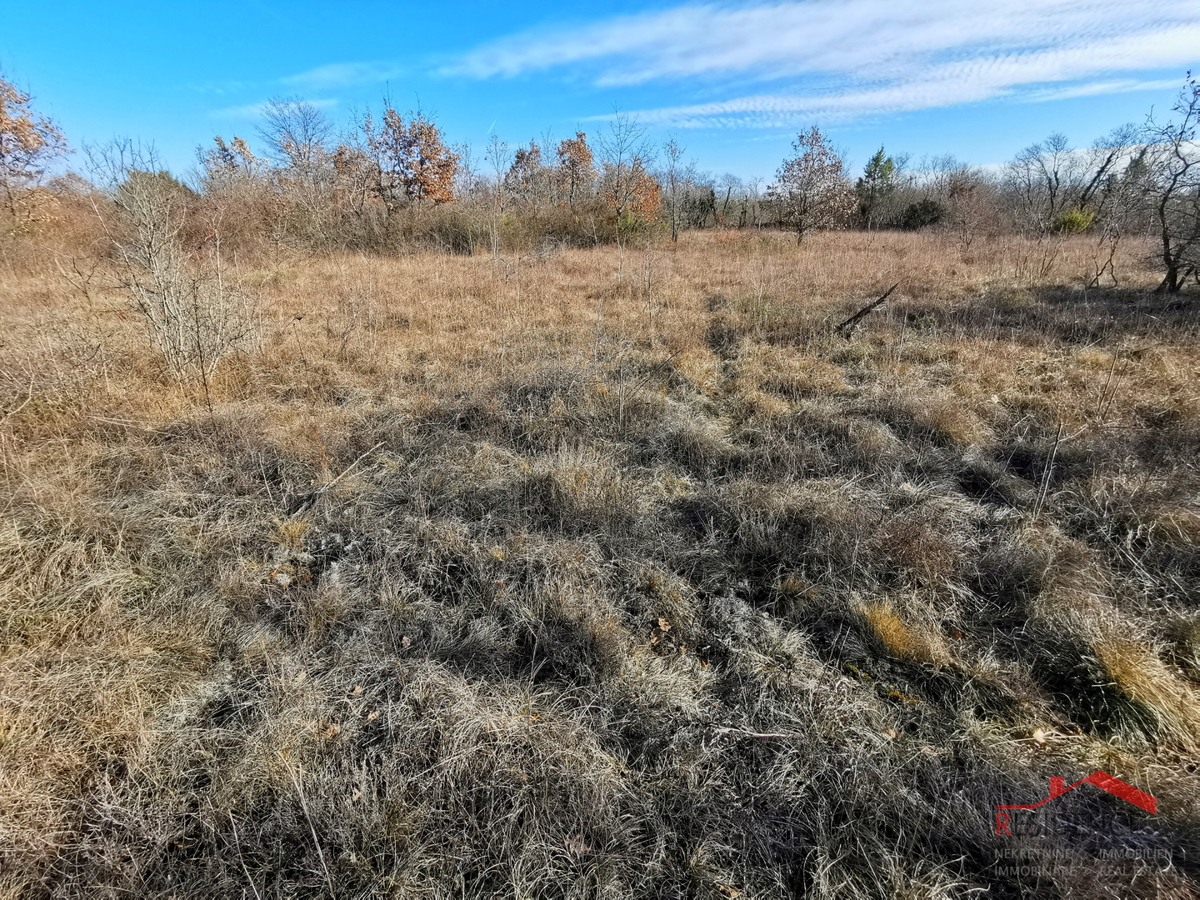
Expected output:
(393, 181)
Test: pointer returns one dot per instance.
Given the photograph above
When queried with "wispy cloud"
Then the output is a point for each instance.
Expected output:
(1102, 88)
(339, 75)
(255, 110)
(871, 55)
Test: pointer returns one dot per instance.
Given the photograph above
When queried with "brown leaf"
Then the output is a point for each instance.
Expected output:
(575, 845)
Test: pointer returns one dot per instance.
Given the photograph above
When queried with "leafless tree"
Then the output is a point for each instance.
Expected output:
(297, 134)
(1045, 176)
(674, 178)
(528, 179)
(1058, 188)
(626, 186)
(229, 165)
(499, 159)
(1172, 173)
(625, 156)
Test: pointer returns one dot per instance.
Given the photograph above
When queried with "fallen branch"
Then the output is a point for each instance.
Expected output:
(854, 319)
(304, 503)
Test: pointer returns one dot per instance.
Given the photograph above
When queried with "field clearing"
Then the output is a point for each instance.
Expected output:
(605, 572)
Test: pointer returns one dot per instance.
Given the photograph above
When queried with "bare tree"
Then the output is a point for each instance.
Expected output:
(297, 134)
(626, 186)
(625, 156)
(354, 178)
(972, 206)
(1172, 172)
(225, 166)
(1058, 188)
(1112, 203)
(528, 178)
(499, 160)
(1107, 158)
(674, 177)
(752, 203)
(1045, 176)
(945, 192)
(699, 204)
(733, 188)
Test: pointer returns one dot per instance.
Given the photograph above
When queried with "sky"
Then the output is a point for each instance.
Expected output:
(733, 83)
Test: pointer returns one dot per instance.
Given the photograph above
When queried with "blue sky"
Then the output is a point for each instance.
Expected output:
(733, 82)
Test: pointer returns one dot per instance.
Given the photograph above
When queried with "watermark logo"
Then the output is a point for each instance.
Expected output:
(1058, 787)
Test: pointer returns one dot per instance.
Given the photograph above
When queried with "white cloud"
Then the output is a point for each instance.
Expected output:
(879, 55)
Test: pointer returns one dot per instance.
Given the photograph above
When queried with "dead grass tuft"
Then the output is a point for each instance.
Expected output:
(913, 643)
(1139, 671)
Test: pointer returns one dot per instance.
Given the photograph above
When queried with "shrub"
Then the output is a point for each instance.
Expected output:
(1073, 221)
(921, 214)
(195, 316)
(450, 231)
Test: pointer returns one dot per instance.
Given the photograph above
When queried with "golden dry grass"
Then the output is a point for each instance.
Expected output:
(599, 573)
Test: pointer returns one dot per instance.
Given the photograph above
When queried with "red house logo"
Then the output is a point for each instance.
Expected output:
(1102, 780)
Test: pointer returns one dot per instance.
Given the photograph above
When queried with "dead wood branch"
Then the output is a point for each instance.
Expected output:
(845, 327)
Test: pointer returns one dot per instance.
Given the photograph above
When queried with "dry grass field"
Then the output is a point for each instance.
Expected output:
(605, 573)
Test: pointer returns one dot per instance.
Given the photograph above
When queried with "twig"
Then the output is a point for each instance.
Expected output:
(352, 466)
(266, 482)
(24, 403)
(238, 844)
(123, 423)
(765, 735)
(1105, 400)
(312, 498)
(1041, 498)
(854, 319)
